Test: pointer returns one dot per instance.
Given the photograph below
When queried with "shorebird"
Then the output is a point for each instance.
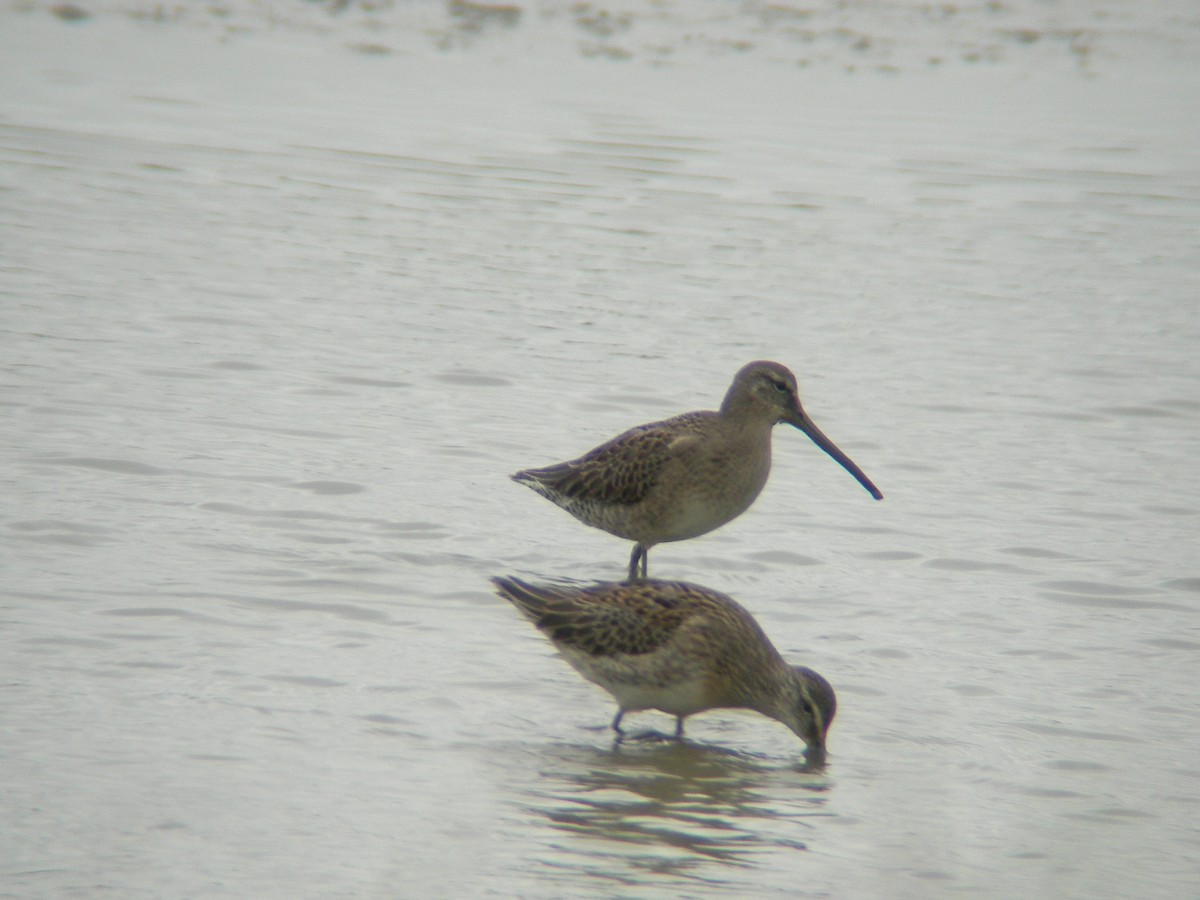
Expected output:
(675, 647)
(683, 477)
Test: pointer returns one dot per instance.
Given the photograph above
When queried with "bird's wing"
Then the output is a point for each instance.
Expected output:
(622, 470)
(605, 620)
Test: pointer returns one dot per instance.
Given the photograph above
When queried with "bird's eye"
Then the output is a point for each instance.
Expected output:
(806, 707)
(781, 387)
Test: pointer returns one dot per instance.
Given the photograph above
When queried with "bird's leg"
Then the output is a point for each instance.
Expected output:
(679, 728)
(640, 555)
(616, 726)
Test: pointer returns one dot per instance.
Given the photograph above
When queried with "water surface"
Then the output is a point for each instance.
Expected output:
(279, 321)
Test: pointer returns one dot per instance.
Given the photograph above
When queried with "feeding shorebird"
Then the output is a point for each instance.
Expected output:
(675, 647)
(683, 477)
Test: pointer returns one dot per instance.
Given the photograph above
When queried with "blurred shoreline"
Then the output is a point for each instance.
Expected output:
(888, 38)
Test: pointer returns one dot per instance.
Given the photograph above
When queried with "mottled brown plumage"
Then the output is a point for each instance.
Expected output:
(685, 476)
(676, 647)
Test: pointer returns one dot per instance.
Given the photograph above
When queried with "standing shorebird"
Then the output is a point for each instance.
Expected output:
(676, 647)
(684, 476)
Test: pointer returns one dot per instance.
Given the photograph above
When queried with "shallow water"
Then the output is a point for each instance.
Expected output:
(280, 319)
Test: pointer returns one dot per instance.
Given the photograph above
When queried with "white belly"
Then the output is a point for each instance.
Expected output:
(679, 699)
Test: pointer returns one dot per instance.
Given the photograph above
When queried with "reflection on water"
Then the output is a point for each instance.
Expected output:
(675, 807)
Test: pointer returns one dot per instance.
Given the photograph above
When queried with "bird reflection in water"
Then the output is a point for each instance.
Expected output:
(676, 808)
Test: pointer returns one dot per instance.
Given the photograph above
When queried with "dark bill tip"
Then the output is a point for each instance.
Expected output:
(814, 759)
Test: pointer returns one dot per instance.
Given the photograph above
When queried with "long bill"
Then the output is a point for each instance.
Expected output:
(800, 419)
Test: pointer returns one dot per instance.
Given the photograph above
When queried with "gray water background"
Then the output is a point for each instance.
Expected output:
(286, 293)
